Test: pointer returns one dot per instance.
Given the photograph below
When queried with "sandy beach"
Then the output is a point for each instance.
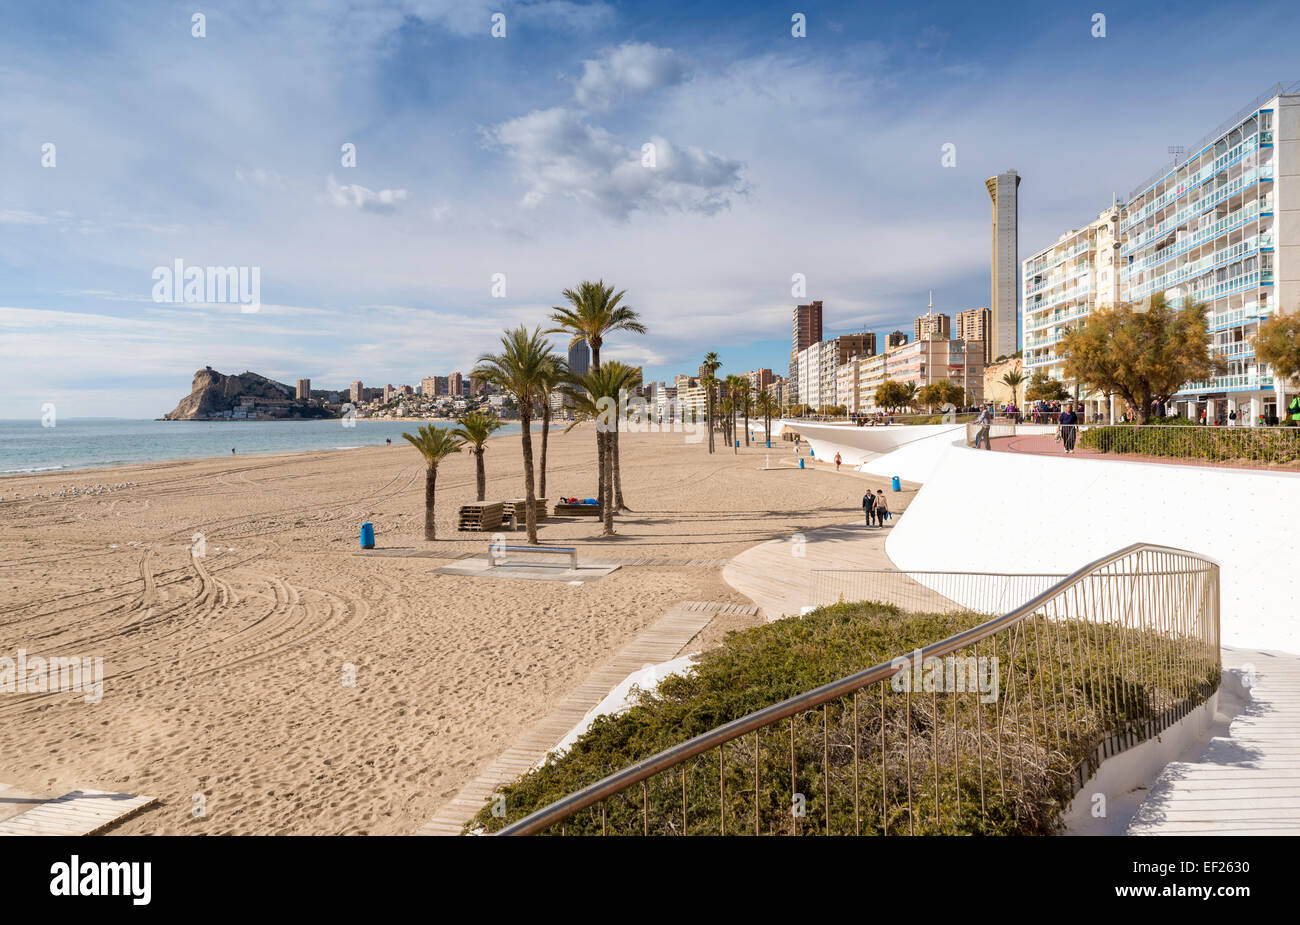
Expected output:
(224, 673)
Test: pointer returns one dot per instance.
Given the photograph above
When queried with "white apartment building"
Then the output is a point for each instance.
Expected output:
(1220, 226)
(1063, 284)
(846, 384)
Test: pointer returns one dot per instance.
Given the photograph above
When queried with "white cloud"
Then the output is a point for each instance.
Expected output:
(368, 200)
(557, 154)
(628, 71)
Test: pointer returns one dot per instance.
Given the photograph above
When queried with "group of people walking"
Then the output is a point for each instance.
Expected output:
(876, 508)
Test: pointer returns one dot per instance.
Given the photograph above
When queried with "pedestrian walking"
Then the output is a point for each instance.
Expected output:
(869, 506)
(1068, 428)
(837, 462)
(985, 422)
(882, 507)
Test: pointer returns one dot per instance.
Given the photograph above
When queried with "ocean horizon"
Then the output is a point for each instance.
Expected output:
(27, 447)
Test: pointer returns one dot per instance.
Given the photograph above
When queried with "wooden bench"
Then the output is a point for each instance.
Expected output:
(576, 510)
(494, 549)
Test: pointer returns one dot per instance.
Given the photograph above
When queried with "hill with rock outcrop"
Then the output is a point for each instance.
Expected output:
(248, 395)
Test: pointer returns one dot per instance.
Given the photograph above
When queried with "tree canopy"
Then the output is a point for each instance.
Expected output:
(1141, 352)
(1278, 345)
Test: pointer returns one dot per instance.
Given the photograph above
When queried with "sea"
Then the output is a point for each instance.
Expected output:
(87, 443)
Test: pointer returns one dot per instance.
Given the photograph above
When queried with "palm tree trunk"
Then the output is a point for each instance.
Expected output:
(600, 470)
(430, 490)
(747, 421)
(530, 515)
(708, 415)
(607, 478)
(618, 478)
(480, 473)
(546, 427)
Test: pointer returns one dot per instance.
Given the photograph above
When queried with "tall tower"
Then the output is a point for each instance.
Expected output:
(580, 358)
(1005, 299)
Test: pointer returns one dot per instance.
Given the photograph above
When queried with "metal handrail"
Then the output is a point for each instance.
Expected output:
(675, 755)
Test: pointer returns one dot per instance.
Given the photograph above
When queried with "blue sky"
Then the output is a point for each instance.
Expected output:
(521, 156)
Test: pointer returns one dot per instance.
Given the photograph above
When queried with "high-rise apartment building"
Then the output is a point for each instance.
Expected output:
(759, 379)
(1005, 270)
(355, 392)
(806, 330)
(1062, 285)
(897, 339)
(304, 389)
(975, 324)
(932, 325)
(580, 358)
(456, 385)
(1219, 226)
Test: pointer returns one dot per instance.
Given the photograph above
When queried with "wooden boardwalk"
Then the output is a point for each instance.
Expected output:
(661, 642)
(1246, 781)
(81, 812)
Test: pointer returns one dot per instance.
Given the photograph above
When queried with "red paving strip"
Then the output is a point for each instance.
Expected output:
(1047, 445)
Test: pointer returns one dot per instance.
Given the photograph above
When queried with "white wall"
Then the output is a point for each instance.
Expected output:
(981, 511)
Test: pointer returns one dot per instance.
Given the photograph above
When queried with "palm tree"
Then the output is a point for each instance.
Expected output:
(435, 444)
(710, 366)
(765, 404)
(554, 377)
(520, 369)
(596, 395)
(1012, 381)
(737, 390)
(594, 311)
(474, 429)
(910, 392)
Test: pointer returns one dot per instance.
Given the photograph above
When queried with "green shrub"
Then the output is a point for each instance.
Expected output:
(1239, 445)
(1008, 765)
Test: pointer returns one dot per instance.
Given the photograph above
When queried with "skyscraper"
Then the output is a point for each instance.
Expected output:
(456, 386)
(1005, 263)
(304, 389)
(355, 392)
(806, 330)
(580, 358)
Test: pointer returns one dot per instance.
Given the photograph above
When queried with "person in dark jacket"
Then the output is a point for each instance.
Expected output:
(869, 506)
(1068, 427)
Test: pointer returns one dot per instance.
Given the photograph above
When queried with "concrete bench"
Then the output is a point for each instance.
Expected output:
(495, 549)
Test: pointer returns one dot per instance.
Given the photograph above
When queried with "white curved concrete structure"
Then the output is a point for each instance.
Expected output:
(981, 511)
(909, 451)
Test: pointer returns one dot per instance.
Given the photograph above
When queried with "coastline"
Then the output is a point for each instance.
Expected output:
(106, 468)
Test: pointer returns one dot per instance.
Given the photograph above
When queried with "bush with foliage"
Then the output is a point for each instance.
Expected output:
(1003, 767)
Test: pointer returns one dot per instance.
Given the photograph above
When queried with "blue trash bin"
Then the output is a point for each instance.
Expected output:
(800, 462)
(367, 536)
(897, 485)
(769, 444)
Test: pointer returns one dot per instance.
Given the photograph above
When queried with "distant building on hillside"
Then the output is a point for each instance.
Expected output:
(355, 392)
(456, 386)
(304, 390)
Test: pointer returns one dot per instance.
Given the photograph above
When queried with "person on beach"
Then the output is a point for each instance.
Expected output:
(837, 462)
(232, 451)
(882, 507)
(1068, 429)
(869, 505)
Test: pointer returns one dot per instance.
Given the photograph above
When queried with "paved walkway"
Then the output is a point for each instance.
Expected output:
(1246, 781)
(1047, 445)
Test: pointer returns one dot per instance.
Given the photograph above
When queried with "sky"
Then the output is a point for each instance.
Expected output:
(491, 172)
